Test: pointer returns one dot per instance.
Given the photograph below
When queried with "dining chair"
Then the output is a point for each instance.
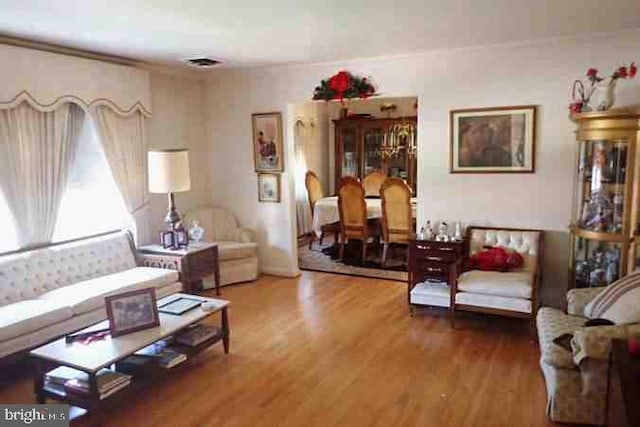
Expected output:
(397, 220)
(372, 183)
(315, 193)
(353, 215)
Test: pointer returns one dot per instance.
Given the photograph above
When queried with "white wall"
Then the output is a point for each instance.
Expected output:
(537, 73)
(178, 122)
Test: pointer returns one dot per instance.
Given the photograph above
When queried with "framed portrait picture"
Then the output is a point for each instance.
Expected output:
(267, 142)
(132, 311)
(269, 187)
(493, 140)
(168, 239)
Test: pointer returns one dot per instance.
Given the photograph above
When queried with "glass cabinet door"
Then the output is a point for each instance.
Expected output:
(349, 144)
(600, 186)
(596, 263)
(372, 153)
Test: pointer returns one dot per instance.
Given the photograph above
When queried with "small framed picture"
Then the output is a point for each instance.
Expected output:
(267, 142)
(181, 237)
(493, 140)
(132, 311)
(168, 239)
(269, 187)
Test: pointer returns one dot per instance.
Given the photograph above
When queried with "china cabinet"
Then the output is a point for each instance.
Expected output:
(365, 145)
(605, 226)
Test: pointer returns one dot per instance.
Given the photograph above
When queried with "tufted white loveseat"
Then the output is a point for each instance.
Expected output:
(512, 293)
(46, 293)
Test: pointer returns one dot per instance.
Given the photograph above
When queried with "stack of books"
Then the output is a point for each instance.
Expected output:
(197, 335)
(166, 356)
(77, 382)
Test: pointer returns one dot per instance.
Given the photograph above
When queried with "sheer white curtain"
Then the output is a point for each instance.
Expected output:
(124, 141)
(303, 211)
(37, 149)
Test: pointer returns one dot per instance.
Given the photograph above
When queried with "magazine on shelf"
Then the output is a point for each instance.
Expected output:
(171, 358)
(108, 382)
(197, 335)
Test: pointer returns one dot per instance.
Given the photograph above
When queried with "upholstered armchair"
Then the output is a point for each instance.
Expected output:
(237, 248)
(577, 376)
(513, 293)
(372, 183)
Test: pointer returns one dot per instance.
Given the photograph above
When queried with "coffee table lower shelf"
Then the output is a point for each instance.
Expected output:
(151, 373)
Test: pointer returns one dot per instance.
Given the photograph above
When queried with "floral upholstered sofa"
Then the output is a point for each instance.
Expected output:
(49, 292)
(577, 377)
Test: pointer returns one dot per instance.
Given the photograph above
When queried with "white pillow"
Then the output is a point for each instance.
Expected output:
(619, 302)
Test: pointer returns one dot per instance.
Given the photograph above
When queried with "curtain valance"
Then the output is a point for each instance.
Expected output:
(48, 80)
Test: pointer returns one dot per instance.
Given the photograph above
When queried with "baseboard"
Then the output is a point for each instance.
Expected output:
(281, 272)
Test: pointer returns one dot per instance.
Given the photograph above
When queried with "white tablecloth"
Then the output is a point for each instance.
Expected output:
(326, 211)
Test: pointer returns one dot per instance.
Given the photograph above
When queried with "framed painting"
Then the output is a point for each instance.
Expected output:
(269, 187)
(493, 140)
(268, 155)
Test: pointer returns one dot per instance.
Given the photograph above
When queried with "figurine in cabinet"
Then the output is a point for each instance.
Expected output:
(443, 232)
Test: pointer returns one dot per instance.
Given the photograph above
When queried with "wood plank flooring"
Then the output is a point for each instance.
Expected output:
(329, 350)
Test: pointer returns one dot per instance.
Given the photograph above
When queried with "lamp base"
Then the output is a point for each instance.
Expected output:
(173, 217)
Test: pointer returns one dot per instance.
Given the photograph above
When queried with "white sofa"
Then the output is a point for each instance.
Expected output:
(46, 293)
(237, 250)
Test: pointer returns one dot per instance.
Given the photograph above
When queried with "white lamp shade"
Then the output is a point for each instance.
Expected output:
(169, 171)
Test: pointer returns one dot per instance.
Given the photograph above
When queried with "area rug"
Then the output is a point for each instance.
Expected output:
(315, 260)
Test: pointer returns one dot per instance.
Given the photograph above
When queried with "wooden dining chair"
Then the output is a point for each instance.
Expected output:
(372, 183)
(397, 219)
(353, 215)
(315, 193)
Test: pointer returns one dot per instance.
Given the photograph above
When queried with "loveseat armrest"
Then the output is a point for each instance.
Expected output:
(594, 342)
(578, 298)
(242, 235)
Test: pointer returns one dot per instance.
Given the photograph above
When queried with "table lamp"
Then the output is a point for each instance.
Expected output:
(169, 173)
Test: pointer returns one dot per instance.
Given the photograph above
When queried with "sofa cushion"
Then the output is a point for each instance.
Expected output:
(617, 302)
(30, 315)
(27, 275)
(89, 295)
(492, 301)
(552, 323)
(512, 284)
(235, 250)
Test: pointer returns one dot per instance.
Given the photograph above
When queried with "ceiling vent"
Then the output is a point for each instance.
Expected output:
(203, 62)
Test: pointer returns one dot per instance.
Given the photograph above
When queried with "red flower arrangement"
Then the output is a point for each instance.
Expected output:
(581, 97)
(343, 85)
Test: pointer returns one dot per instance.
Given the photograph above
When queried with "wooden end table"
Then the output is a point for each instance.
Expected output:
(193, 263)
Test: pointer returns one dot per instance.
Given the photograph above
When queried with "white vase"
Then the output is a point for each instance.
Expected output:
(603, 96)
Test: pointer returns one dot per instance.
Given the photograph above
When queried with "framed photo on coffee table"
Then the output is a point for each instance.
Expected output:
(493, 140)
(132, 311)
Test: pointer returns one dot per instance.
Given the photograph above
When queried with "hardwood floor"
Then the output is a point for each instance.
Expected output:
(329, 350)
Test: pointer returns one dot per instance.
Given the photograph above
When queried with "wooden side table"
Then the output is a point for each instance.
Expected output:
(193, 263)
(431, 260)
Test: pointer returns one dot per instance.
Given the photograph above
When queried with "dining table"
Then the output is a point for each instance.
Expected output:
(326, 211)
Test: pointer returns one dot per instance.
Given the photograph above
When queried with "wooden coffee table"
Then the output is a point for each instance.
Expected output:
(104, 353)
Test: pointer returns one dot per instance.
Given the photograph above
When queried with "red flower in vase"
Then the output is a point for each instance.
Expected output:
(632, 70)
(340, 82)
(592, 73)
(622, 72)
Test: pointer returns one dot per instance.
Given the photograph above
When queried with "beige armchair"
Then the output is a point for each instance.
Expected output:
(577, 378)
(237, 248)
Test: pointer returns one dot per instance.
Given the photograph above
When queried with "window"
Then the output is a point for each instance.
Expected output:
(92, 203)
(8, 236)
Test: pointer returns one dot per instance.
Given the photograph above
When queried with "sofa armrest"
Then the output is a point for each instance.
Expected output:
(242, 235)
(578, 298)
(594, 342)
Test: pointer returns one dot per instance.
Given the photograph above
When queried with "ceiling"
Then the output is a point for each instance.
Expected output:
(262, 32)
